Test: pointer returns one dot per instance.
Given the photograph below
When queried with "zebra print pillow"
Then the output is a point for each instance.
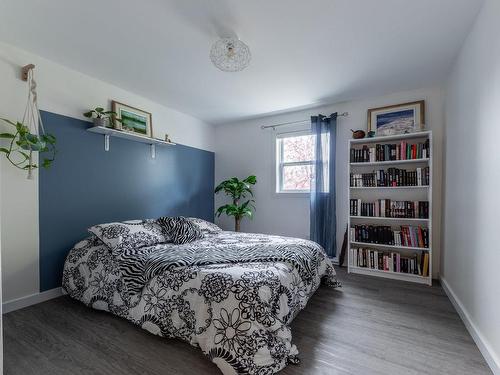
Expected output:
(130, 234)
(205, 226)
(180, 230)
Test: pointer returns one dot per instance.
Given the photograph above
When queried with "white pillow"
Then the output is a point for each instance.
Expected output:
(130, 234)
(205, 226)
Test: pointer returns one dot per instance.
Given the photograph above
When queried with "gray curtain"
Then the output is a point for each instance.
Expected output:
(323, 216)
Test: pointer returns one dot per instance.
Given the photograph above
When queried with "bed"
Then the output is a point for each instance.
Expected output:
(231, 294)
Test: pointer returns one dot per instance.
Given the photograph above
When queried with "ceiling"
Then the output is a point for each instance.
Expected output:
(304, 53)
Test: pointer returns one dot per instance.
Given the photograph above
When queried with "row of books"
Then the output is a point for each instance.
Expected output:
(391, 178)
(387, 152)
(418, 264)
(407, 235)
(390, 208)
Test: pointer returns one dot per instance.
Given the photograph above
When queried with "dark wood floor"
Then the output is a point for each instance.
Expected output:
(370, 326)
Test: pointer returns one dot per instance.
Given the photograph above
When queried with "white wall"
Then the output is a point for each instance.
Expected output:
(1, 308)
(471, 256)
(243, 148)
(64, 91)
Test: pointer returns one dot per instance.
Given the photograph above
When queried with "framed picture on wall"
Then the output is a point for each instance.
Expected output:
(133, 119)
(397, 119)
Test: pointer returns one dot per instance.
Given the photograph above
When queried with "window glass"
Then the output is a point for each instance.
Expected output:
(297, 177)
(294, 162)
(298, 148)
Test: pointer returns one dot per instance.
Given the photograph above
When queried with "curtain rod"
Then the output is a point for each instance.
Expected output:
(343, 114)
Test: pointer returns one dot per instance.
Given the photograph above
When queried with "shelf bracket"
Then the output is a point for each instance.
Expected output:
(153, 151)
(106, 142)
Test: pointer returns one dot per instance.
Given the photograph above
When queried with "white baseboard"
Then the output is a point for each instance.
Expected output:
(32, 299)
(484, 346)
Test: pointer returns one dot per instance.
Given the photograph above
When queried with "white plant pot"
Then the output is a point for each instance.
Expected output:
(101, 122)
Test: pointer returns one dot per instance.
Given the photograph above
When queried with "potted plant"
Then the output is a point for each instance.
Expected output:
(101, 117)
(237, 189)
(22, 145)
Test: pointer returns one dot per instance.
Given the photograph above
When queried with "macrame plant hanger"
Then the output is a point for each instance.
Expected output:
(31, 117)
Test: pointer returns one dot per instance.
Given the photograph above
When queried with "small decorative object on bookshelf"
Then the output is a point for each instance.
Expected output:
(390, 207)
(358, 134)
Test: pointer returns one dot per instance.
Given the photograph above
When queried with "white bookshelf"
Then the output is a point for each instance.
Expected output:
(371, 194)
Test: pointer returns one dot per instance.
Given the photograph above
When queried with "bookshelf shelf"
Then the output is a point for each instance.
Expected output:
(392, 138)
(390, 275)
(390, 162)
(391, 200)
(383, 246)
(396, 219)
(388, 187)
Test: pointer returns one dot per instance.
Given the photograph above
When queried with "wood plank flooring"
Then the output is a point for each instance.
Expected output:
(369, 326)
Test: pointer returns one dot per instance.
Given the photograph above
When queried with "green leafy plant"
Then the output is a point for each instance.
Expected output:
(23, 143)
(102, 117)
(99, 112)
(237, 190)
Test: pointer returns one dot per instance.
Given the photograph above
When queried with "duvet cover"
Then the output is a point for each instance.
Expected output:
(233, 295)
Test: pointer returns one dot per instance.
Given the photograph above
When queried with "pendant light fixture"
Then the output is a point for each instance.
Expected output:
(230, 54)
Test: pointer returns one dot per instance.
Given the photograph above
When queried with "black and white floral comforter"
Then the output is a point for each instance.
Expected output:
(231, 294)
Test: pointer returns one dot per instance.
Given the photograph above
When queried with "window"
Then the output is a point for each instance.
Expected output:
(294, 162)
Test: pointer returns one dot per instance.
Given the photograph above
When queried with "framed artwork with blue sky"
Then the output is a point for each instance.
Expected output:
(397, 119)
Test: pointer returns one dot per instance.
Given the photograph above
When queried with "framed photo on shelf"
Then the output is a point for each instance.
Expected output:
(397, 119)
(132, 119)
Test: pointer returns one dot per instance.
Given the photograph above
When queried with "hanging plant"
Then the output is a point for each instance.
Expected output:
(29, 135)
(22, 145)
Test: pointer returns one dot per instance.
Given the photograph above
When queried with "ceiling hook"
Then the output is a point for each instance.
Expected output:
(25, 71)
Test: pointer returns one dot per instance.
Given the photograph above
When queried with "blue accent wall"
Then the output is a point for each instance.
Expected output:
(87, 185)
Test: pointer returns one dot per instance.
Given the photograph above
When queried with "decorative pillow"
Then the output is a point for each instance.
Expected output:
(130, 234)
(205, 226)
(180, 230)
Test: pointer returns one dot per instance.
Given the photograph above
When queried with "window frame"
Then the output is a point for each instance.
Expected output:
(280, 164)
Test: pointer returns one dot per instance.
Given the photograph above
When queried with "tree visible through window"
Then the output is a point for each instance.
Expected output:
(295, 154)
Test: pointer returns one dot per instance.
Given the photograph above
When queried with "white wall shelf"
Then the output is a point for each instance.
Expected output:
(391, 192)
(108, 132)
